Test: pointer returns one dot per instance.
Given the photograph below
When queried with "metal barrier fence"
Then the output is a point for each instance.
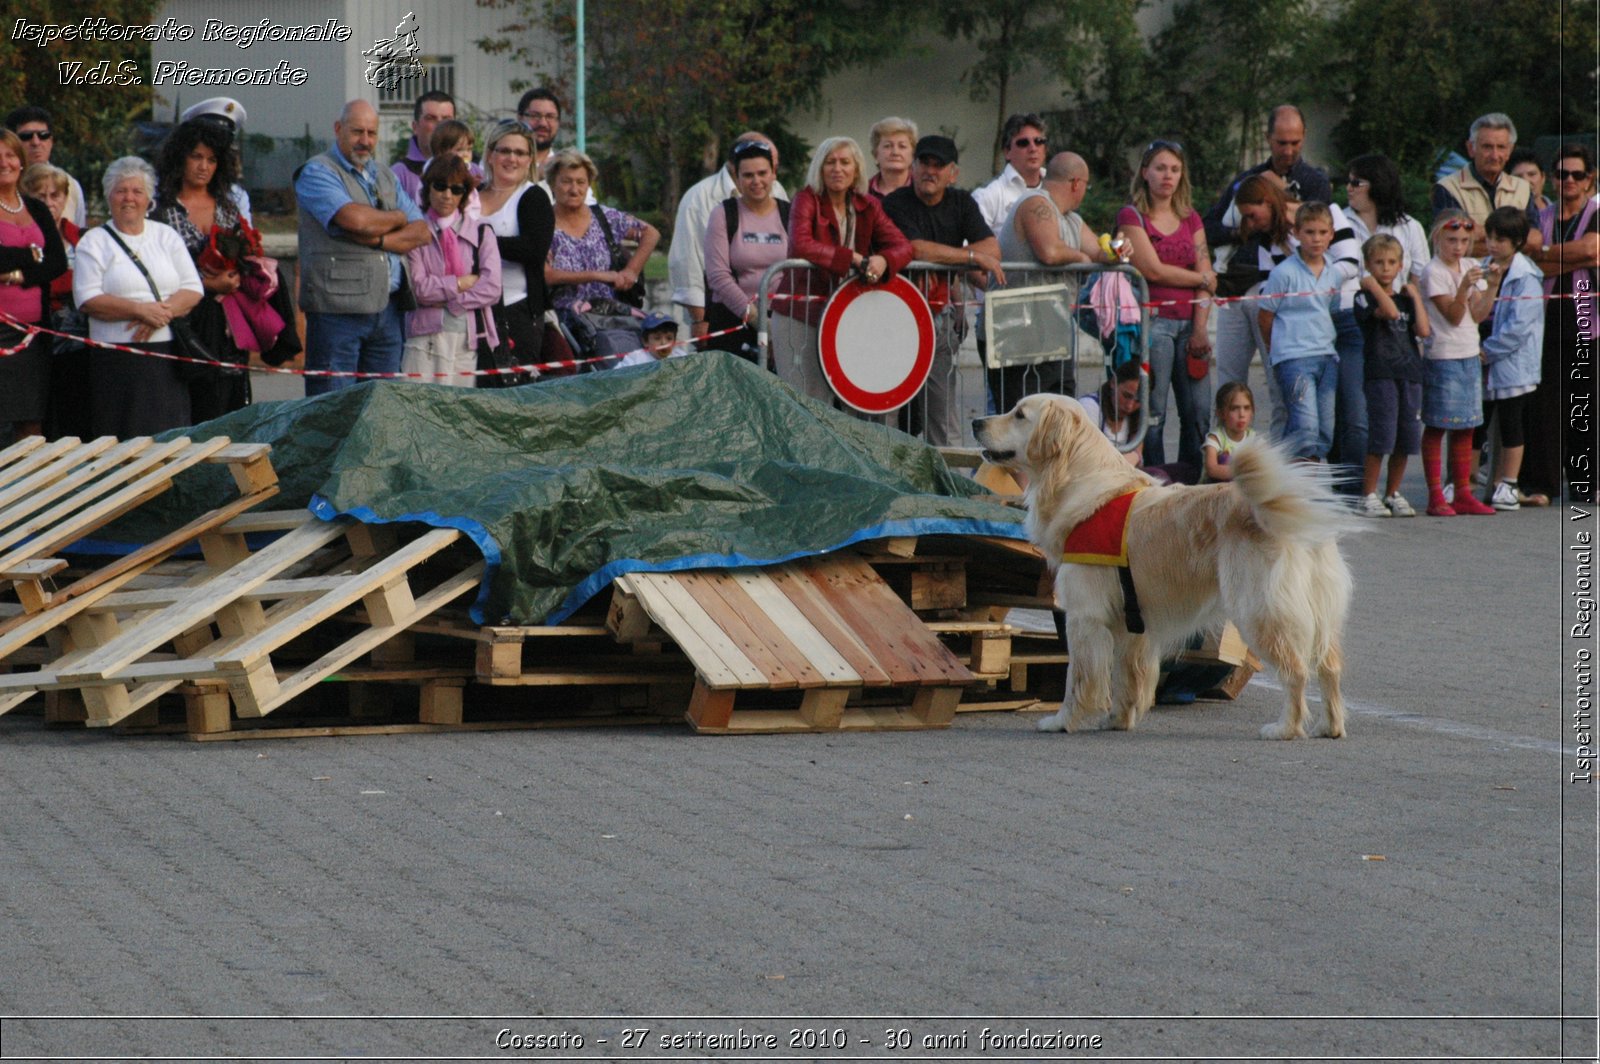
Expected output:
(1025, 336)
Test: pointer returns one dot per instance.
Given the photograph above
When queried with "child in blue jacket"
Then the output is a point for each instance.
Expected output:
(1512, 350)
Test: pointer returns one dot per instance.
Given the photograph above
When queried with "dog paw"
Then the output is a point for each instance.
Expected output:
(1054, 722)
(1322, 731)
(1279, 730)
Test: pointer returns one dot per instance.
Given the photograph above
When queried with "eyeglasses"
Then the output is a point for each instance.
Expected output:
(535, 116)
(1028, 142)
(443, 186)
(1460, 223)
(1569, 175)
(515, 153)
(35, 134)
(1356, 182)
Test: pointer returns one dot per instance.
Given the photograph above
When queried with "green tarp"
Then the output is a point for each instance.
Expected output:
(564, 485)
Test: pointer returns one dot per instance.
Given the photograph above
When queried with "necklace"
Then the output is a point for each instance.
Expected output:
(13, 210)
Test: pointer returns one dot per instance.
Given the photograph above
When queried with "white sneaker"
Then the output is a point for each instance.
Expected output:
(1504, 497)
(1398, 506)
(1372, 506)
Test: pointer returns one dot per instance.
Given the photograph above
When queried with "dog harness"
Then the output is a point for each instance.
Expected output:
(1102, 539)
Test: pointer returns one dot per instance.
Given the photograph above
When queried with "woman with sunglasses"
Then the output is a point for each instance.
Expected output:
(1168, 239)
(524, 221)
(456, 279)
(1570, 261)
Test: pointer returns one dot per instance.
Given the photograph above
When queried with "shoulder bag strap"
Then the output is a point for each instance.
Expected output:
(112, 233)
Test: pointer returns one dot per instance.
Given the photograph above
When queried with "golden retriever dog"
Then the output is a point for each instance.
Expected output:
(1261, 551)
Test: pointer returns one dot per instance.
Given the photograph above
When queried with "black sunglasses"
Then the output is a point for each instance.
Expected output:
(443, 186)
(1569, 175)
(1026, 142)
(35, 134)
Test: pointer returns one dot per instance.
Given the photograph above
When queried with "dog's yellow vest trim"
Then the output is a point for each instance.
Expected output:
(1102, 537)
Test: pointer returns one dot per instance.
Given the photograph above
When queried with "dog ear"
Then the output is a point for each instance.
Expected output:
(1044, 443)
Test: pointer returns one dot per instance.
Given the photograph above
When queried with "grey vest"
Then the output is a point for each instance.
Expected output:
(338, 276)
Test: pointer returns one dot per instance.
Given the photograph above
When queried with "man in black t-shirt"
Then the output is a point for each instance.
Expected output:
(945, 227)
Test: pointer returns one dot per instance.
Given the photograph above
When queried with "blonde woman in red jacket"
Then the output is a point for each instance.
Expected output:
(836, 226)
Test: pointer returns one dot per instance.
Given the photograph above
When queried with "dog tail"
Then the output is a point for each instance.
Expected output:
(1291, 500)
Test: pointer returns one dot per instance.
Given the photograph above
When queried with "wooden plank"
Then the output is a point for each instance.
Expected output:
(626, 620)
(709, 708)
(822, 656)
(26, 446)
(269, 521)
(58, 470)
(741, 620)
(718, 660)
(199, 604)
(160, 597)
(829, 625)
(452, 588)
(908, 652)
(143, 478)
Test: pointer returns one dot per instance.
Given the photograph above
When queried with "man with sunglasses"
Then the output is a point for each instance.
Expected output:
(1023, 142)
(1302, 182)
(686, 258)
(1485, 184)
(32, 127)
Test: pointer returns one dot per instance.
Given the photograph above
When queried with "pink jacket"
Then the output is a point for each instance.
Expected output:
(436, 291)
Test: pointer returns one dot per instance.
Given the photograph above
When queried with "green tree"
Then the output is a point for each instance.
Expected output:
(671, 80)
(93, 123)
(1416, 74)
(1065, 37)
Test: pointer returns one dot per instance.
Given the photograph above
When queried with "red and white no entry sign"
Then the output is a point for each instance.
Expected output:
(876, 343)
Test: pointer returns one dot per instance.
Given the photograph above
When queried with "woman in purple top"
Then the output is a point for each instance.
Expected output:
(736, 261)
(580, 263)
(1168, 239)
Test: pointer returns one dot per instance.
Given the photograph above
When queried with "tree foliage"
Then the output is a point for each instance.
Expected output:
(92, 123)
(670, 81)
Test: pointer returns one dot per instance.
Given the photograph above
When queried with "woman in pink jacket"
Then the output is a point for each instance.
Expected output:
(456, 280)
(836, 226)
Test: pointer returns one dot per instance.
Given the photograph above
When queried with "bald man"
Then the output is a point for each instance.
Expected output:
(356, 225)
(1043, 226)
(1301, 182)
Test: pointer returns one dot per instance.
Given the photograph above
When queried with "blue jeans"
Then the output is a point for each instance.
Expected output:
(1351, 412)
(1169, 340)
(1310, 387)
(353, 343)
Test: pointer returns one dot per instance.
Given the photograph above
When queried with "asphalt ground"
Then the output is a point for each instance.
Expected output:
(1423, 889)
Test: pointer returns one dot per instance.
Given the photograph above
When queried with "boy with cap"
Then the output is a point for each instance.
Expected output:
(660, 342)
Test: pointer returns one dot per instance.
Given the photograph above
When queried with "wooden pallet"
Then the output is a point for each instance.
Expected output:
(53, 493)
(231, 621)
(828, 631)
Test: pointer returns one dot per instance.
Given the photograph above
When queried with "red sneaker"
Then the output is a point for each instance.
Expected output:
(1468, 503)
(1437, 507)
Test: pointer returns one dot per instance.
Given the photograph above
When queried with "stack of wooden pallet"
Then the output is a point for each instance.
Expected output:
(287, 625)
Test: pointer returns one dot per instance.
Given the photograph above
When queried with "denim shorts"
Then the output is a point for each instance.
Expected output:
(1452, 393)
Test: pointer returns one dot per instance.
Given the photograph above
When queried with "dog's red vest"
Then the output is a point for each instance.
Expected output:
(1102, 537)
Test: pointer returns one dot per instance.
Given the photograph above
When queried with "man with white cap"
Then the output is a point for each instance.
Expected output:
(32, 126)
(229, 113)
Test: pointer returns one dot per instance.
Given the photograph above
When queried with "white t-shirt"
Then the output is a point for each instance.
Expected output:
(1120, 436)
(513, 278)
(1449, 341)
(1413, 253)
(103, 268)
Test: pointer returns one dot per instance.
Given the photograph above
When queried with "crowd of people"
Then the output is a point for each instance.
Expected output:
(1378, 340)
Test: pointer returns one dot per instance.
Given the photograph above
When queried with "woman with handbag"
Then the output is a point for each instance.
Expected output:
(31, 256)
(588, 261)
(455, 278)
(134, 279)
(195, 177)
(523, 222)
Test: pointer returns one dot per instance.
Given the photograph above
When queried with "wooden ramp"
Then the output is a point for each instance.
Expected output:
(828, 633)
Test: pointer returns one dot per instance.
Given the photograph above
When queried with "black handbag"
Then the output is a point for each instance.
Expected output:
(205, 363)
(620, 257)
